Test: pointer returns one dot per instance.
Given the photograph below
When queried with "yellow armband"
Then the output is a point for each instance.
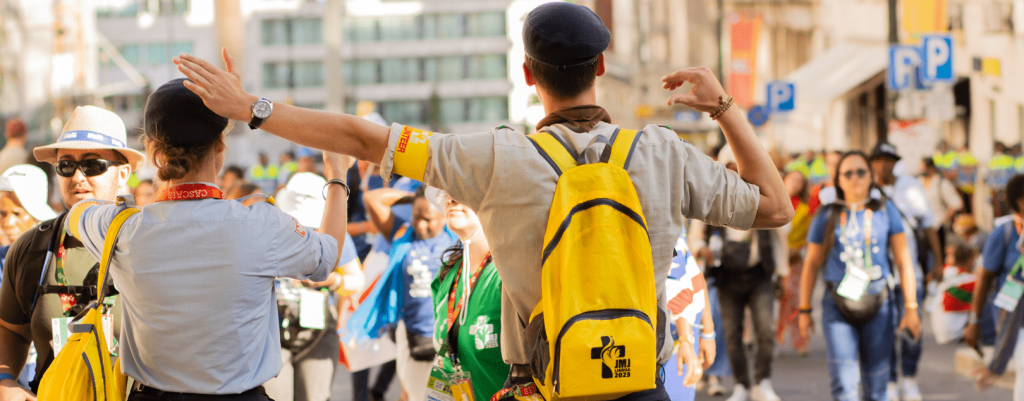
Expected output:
(75, 216)
(411, 153)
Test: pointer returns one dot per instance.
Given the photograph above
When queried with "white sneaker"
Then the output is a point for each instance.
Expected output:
(892, 392)
(910, 390)
(764, 392)
(715, 387)
(739, 393)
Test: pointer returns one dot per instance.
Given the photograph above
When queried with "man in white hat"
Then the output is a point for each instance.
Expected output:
(24, 190)
(92, 160)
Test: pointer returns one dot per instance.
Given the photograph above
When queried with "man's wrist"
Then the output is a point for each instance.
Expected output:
(245, 112)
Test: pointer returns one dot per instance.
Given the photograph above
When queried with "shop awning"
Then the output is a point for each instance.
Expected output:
(837, 71)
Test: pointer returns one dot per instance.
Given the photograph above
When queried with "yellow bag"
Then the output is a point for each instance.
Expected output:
(83, 369)
(594, 330)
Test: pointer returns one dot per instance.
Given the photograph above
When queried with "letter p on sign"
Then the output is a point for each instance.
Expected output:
(938, 58)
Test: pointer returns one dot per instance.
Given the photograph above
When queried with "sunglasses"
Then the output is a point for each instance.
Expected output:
(860, 173)
(89, 167)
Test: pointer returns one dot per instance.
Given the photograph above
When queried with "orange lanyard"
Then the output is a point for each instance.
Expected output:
(453, 308)
(190, 191)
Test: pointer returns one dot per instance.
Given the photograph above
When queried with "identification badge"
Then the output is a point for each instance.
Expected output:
(438, 388)
(461, 386)
(854, 284)
(1009, 295)
(61, 332)
(312, 310)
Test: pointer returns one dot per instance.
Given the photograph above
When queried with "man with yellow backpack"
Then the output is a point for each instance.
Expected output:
(49, 277)
(581, 217)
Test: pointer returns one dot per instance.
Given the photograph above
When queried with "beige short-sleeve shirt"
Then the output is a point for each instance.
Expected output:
(500, 175)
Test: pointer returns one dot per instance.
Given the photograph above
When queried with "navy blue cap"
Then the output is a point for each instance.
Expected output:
(884, 150)
(564, 35)
(179, 117)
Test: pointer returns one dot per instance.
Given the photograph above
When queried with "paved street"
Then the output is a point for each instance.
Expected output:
(807, 379)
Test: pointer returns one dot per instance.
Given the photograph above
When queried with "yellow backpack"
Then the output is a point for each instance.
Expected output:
(83, 369)
(595, 326)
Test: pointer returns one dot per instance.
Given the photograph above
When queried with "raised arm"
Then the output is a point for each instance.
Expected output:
(378, 208)
(754, 165)
(222, 92)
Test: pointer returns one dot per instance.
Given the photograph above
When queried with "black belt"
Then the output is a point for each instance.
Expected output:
(154, 392)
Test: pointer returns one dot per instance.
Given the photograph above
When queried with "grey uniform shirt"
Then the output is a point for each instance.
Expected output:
(500, 175)
(196, 280)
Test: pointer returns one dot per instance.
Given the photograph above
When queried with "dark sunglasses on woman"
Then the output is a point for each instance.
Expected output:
(861, 173)
(89, 167)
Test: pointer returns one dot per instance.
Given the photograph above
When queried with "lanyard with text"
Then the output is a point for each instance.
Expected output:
(67, 301)
(868, 264)
(190, 191)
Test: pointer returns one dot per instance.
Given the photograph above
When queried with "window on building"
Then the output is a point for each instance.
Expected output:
(180, 47)
(453, 111)
(308, 74)
(399, 70)
(407, 111)
(427, 26)
(156, 54)
(179, 7)
(399, 28)
(451, 26)
(361, 30)
(487, 24)
(307, 31)
(366, 72)
(451, 68)
(488, 66)
(428, 69)
(487, 109)
(275, 75)
(131, 53)
(273, 32)
(127, 10)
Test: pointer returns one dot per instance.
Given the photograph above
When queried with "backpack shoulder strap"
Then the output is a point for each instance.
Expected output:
(108, 249)
(556, 152)
(830, 227)
(623, 142)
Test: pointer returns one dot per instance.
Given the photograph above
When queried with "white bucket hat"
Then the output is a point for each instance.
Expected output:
(303, 199)
(30, 185)
(91, 127)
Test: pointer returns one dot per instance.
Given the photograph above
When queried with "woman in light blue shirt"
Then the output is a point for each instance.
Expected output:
(196, 272)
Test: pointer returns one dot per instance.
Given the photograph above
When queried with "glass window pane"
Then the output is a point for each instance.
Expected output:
(404, 111)
(493, 66)
(307, 31)
(398, 28)
(398, 70)
(181, 47)
(429, 73)
(364, 30)
(346, 72)
(309, 74)
(450, 26)
(269, 75)
(451, 68)
(130, 53)
(366, 72)
(453, 111)
(491, 24)
(272, 32)
(156, 54)
(428, 26)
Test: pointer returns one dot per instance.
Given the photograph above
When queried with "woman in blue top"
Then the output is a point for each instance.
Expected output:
(852, 239)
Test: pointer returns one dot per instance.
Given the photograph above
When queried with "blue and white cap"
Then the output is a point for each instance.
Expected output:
(91, 127)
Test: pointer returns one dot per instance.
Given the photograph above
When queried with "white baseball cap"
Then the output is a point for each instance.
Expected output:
(91, 127)
(30, 185)
(303, 199)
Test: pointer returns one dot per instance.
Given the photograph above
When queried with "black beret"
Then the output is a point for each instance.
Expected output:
(178, 117)
(564, 35)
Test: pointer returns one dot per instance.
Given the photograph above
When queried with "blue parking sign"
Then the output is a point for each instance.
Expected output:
(781, 96)
(937, 60)
(903, 63)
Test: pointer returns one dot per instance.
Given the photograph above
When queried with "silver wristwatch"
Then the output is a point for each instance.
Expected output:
(261, 110)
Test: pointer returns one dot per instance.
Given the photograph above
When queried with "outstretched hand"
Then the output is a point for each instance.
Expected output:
(220, 89)
(705, 93)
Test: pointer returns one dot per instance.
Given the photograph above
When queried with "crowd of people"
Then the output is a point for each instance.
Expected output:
(435, 257)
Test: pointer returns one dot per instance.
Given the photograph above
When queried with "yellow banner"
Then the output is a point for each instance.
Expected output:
(923, 17)
(411, 153)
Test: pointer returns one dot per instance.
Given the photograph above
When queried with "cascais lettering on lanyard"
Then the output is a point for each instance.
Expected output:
(190, 191)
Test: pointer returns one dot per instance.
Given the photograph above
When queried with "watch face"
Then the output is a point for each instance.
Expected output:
(262, 108)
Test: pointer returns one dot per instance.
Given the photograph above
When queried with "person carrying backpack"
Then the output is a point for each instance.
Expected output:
(47, 272)
(1001, 263)
(851, 239)
(510, 180)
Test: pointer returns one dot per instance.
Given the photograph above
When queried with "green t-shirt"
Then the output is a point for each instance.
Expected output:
(479, 349)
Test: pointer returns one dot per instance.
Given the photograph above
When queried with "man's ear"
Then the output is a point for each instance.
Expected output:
(529, 77)
(600, 64)
(124, 172)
